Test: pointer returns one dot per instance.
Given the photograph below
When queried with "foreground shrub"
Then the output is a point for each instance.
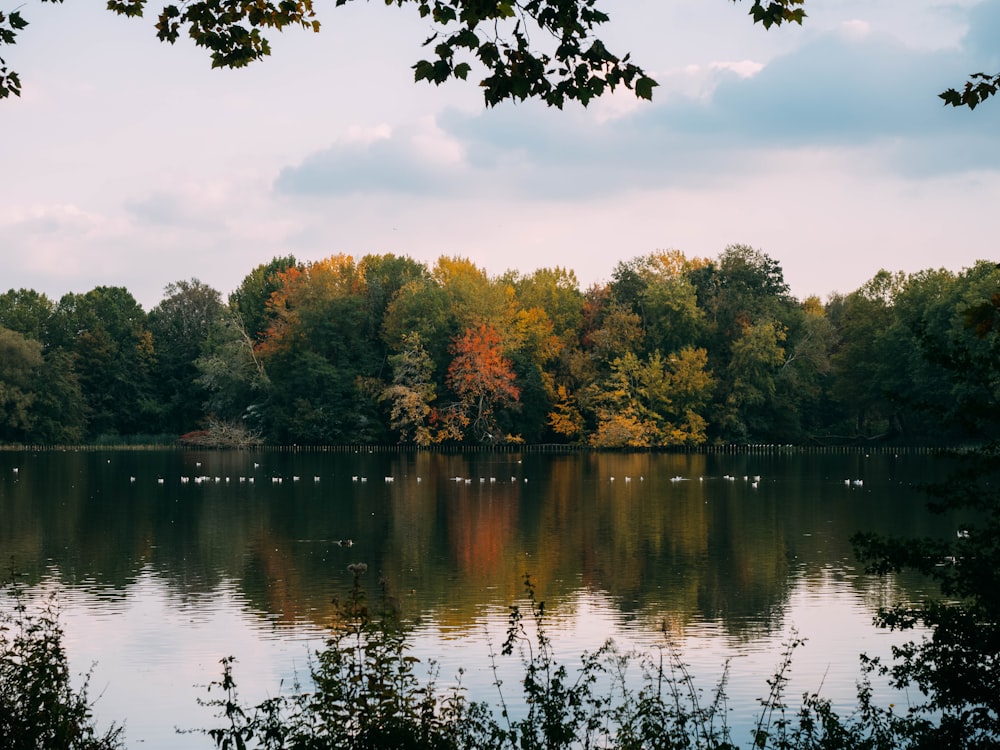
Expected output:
(39, 708)
(365, 695)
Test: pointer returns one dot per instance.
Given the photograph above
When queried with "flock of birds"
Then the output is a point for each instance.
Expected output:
(753, 480)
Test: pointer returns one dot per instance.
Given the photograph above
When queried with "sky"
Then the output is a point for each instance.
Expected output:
(129, 162)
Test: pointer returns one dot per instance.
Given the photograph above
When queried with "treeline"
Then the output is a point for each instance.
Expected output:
(672, 351)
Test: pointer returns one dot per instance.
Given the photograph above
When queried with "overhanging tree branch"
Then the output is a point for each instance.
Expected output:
(573, 64)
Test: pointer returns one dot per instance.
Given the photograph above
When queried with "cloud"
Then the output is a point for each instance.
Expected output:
(980, 40)
(840, 89)
(419, 160)
(851, 90)
(187, 206)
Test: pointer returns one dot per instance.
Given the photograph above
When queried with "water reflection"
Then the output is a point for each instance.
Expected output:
(178, 558)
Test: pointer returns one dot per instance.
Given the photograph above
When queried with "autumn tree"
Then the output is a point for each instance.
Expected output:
(411, 393)
(620, 333)
(655, 401)
(249, 302)
(483, 381)
(557, 292)
(566, 419)
(322, 367)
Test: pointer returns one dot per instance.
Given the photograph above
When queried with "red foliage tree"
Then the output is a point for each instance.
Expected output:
(482, 379)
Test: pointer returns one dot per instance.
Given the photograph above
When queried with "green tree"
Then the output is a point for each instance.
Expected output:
(746, 303)
(180, 325)
(557, 292)
(744, 285)
(421, 307)
(533, 347)
(28, 312)
(862, 320)
(954, 664)
(105, 330)
(495, 34)
(59, 413)
(931, 342)
(659, 290)
(384, 277)
(20, 361)
(474, 298)
(804, 380)
(757, 357)
(231, 372)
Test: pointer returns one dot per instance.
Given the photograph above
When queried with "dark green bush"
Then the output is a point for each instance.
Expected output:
(365, 695)
(39, 708)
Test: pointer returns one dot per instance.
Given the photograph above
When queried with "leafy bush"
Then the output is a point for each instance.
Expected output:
(365, 695)
(39, 708)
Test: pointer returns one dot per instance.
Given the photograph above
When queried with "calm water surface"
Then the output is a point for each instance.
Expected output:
(165, 562)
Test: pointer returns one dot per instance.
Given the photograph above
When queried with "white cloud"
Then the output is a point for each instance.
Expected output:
(742, 68)
(856, 28)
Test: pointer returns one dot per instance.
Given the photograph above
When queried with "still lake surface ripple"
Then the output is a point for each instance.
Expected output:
(164, 562)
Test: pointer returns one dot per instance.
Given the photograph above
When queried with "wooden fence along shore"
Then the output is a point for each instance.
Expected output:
(736, 449)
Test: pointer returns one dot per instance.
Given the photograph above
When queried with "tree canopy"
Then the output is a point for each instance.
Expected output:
(674, 351)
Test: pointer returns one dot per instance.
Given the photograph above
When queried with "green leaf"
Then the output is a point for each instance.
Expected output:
(423, 70)
(644, 87)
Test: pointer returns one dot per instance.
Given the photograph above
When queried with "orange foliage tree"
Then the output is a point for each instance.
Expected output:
(483, 380)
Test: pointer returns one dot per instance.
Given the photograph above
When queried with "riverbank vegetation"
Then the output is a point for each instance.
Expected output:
(364, 692)
(42, 704)
(673, 351)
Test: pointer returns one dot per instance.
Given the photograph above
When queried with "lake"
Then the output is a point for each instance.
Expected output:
(164, 562)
